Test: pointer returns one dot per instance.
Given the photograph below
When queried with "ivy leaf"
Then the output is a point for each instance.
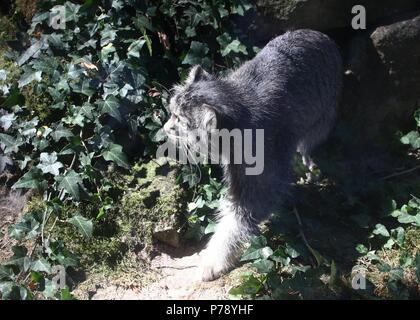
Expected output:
(250, 286)
(76, 117)
(115, 154)
(211, 227)
(291, 251)
(408, 218)
(196, 54)
(30, 52)
(87, 110)
(41, 265)
(28, 77)
(380, 229)
(74, 72)
(280, 256)
(417, 117)
(252, 253)
(72, 10)
(23, 163)
(83, 87)
(49, 163)
(65, 294)
(389, 244)
(135, 47)
(143, 23)
(71, 183)
(10, 144)
(235, 46)
(108, 35)
(412, 138)
(190, 32)
(257, 250)
(61, 132)
(14, 98)
(263, 265)
(158, 135)
(50, 289)
(28, 227)
(30, 180)
(241, 8)
(258, 242)
(6, 121)
(84, 225)
(107, 50)
(4, 161)
(190, 177)
(19, 254)
(5, 272)
(3, 74)
(110, 106)
(362, 249)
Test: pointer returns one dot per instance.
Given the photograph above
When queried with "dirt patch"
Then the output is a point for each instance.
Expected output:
(12, 205)
(175, 275)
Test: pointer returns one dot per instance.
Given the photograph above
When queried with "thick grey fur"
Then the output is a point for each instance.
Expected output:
(291, 89)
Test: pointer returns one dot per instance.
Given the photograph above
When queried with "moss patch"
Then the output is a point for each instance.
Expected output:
(152, 203)
(156, 205)
(28, 8)
(7, 29)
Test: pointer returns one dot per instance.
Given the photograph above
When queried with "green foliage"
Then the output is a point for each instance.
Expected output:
(394, 267)
(413, 137)
(60, 97)
(390, 261)
(207, 193)
(282, 273)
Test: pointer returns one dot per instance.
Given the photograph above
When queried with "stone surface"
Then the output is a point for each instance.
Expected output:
(381, 86)
(398, 46)
(382, 80)
(329, 14)
(175, 276)
(155, 206)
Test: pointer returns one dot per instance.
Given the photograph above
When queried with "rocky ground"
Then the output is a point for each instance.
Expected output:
(11, 207)
(176, 276)
(169, 272)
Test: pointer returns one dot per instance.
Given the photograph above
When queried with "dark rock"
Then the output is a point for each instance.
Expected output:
(329, 14)
(398, 46)
(155, 206)
(382, 80)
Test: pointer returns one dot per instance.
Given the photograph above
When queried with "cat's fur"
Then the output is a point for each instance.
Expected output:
(291, 90)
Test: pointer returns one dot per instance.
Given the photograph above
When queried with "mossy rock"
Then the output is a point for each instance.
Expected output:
(151, 208)
(13, 72)
(106, 247)
(28, 8)
(7, 29)
(38, 102)
(154, 208)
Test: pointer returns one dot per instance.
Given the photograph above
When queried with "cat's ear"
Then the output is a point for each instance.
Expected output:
(196, 74)
(209, 118)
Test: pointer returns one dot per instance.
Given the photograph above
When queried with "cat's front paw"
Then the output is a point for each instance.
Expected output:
(210, 272)
(211, 267)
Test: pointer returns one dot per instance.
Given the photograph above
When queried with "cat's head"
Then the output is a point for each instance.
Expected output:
(191, 105)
